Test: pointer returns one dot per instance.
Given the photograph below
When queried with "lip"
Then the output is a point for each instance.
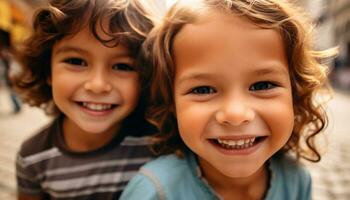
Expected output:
(237, 152)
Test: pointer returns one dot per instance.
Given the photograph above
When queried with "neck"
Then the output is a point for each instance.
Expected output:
(248, 188)
(78, 140)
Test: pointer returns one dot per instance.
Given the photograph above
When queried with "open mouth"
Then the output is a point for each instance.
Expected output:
(97, 107)
(238, 144)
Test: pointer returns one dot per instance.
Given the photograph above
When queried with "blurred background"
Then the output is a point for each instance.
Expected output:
(331, 176)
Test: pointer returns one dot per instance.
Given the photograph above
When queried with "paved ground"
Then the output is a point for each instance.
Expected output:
(331, 177)
(13, 130)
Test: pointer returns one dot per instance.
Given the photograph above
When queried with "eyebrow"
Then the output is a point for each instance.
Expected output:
(195, 76)
(273, 69)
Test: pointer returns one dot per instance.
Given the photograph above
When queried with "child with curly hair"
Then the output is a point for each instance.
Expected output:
(237, 109)
(82, 64)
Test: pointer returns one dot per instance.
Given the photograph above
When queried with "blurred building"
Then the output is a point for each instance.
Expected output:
(15, 18)
(333, 29)
(339, 13)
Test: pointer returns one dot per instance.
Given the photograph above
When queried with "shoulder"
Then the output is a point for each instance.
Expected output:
(166, 161)
(40, 147)
(41, 141)
(136, 147)
(33, 151)
(159, 169)
(289, 179)
(156, 177)
(289, 166)
(140, 187)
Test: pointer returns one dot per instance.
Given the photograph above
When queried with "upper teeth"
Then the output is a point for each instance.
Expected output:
(96, 106)
(239, 142)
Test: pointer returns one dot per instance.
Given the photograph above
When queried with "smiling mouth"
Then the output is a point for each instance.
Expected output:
(238, 144)
(97, 107)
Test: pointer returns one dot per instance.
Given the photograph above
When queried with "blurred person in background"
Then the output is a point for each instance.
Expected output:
(6, 60)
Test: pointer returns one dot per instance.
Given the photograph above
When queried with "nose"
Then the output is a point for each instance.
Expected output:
(98, 82)
(235, 111)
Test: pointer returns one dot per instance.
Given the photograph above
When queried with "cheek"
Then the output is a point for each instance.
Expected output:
(131, 90)
(280, 117)
(188, 126)
(65, 82)
(59, 85)
(62, 80)
(284, 121)
(191, 117)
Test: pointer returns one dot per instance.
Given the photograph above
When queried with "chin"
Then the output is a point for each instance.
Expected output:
(95, 130)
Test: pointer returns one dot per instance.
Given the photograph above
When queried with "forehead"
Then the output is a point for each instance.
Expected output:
(224, 27)
(218, 35)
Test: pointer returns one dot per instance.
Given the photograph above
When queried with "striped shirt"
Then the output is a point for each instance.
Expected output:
(45, 167)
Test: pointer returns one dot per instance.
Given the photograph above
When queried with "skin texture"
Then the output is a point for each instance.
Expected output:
(84, 70)
(232, 82)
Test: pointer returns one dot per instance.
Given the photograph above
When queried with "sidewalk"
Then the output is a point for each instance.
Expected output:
(13, 130)
(331, 177)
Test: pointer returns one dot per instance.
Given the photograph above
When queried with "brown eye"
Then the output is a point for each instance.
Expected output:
(75, 61)
(123, 67)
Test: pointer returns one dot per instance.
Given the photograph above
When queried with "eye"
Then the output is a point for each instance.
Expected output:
(75, 61)
(262, 85)
(123, 67)
(201, 90)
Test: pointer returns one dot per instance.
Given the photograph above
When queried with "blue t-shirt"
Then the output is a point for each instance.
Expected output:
(173, 178)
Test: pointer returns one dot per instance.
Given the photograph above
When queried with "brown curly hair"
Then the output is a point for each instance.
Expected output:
(129, 23)
(308, 73)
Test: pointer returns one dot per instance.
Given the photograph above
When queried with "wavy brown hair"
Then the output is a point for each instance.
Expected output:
(308, 73)
(130, 21)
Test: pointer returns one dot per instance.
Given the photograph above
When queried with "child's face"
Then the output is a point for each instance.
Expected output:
(95, 86)
(233, 96)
